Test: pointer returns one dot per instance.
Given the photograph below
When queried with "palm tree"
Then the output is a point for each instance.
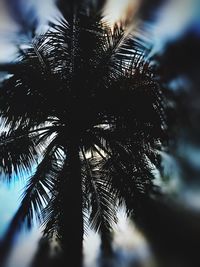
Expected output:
(82, 108)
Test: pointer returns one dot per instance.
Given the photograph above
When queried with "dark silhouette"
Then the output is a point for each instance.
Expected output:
(83, 107)
(171, 229)
(170, 224)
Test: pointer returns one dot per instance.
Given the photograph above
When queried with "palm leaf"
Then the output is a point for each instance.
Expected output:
(35, 197)
(102, 202)
(18, 152)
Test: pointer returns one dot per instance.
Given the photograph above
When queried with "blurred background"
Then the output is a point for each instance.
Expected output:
(167, 232)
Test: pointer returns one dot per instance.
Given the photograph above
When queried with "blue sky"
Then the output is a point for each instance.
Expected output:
(10, 199)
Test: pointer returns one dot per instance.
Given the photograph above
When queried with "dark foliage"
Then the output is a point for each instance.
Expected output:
(82, 105)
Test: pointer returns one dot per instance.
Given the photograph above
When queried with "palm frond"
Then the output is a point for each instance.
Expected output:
(128, 182)
(51, 215)
(54, 214)
(29, 90)
(98, 194)
(125, 53)
(127, 162)
(35, 197)
(68, 189)
(18, 152)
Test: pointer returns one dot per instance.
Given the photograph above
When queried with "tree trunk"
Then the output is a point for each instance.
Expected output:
(106, 243)
(72, 217)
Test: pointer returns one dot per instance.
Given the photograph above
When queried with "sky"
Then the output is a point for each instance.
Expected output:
(172, 20)
(9, 195)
